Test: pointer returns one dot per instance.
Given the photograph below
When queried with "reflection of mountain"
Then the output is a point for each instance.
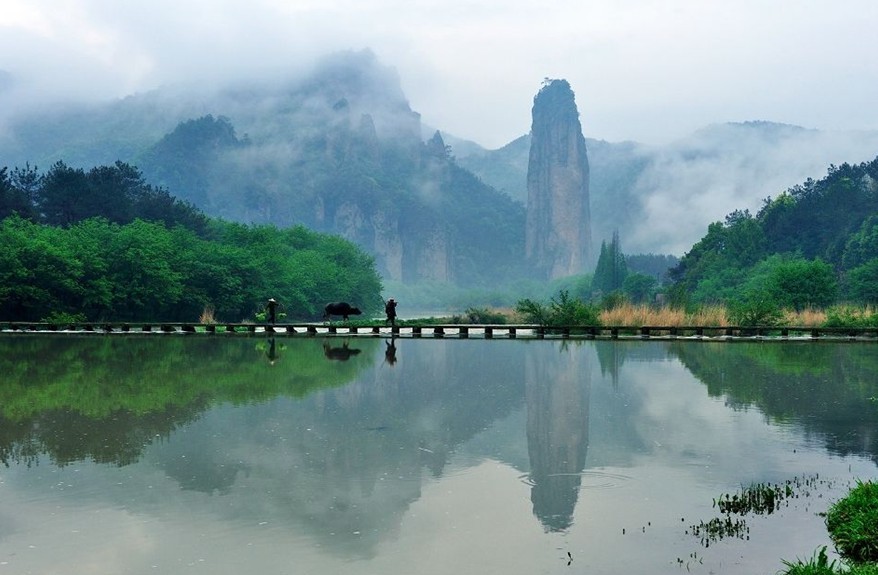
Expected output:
(828, 389)
(557, 388)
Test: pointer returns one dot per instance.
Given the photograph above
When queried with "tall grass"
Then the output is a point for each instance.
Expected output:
(207, 315)
(636, 315)
(628, 314)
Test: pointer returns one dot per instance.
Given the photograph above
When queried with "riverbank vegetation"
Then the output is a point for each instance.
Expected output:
(622, 313)
(852, 523)
(104, 245)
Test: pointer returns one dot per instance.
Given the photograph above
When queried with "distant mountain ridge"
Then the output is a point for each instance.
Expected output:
(341, 150)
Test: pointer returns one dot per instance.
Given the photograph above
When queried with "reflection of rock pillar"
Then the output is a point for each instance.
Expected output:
(557, 387)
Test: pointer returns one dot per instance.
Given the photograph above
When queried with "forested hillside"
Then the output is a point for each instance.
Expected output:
(813, 245)
(103, 244)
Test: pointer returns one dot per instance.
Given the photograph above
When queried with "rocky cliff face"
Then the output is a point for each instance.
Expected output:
(558, 229)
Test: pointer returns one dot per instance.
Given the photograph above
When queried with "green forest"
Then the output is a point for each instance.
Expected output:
(103, 244)
(814, 245)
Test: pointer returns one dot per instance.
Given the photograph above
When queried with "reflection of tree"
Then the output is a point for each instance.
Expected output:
(105, 398)
(826, 388)
(611, 356)
(557, 388)
(68, 436)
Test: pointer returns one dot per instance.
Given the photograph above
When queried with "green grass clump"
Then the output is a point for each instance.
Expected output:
(853, 523)
(819, 564)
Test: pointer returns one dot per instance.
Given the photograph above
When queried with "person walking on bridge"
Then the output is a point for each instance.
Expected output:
(390, 310)
(271, 310)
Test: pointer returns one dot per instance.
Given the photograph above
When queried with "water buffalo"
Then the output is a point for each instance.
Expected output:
(341, 308)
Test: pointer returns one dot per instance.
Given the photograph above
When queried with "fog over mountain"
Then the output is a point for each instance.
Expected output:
(646, 71)
(660, 197)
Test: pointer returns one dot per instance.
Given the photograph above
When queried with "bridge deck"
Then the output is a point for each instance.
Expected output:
(460, 331)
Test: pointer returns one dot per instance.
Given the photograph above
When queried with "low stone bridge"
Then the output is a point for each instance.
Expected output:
(461, 331)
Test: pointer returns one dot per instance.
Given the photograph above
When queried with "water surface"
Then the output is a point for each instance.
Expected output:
(191, 454)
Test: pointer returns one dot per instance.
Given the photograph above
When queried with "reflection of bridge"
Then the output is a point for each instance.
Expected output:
(461, 331)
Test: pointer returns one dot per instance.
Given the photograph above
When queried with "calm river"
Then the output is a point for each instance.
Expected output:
(230, 455)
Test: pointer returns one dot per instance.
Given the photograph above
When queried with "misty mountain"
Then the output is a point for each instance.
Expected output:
(661, 198)
(340, 150)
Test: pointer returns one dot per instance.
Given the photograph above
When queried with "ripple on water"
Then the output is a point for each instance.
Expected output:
(589, 479)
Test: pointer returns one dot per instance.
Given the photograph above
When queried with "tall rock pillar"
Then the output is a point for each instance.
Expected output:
(558, 231)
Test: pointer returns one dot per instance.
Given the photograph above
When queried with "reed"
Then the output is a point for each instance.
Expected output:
(806, 318)
(635, 315)
(628, 314)
(207, 315)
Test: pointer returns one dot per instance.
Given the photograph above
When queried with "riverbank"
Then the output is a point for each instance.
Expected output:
(852, 523)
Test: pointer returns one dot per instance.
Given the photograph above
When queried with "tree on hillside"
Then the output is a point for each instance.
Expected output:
(817, 217)
(66, 195)
(862, 246)
(63, 196)
(16, 194)
(800, 284)
(639, 287)
(861, 283)
(611, 270)
(655, 265)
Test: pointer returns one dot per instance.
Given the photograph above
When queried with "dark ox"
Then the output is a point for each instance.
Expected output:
(341, 308)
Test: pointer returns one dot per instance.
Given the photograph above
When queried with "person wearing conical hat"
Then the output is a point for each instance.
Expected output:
(390, 310)
(271, 308)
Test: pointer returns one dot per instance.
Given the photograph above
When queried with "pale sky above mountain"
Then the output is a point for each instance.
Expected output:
(644, 70)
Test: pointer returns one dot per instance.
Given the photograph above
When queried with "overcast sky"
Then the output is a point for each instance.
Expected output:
(644, 70)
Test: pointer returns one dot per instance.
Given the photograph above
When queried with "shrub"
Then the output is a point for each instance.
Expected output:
(61, 317)
(850, 316)
(480, 315)
(566, 310)
(533, 311)
(853, 523)
(755, 309)
(613, 300)
(561, 310)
